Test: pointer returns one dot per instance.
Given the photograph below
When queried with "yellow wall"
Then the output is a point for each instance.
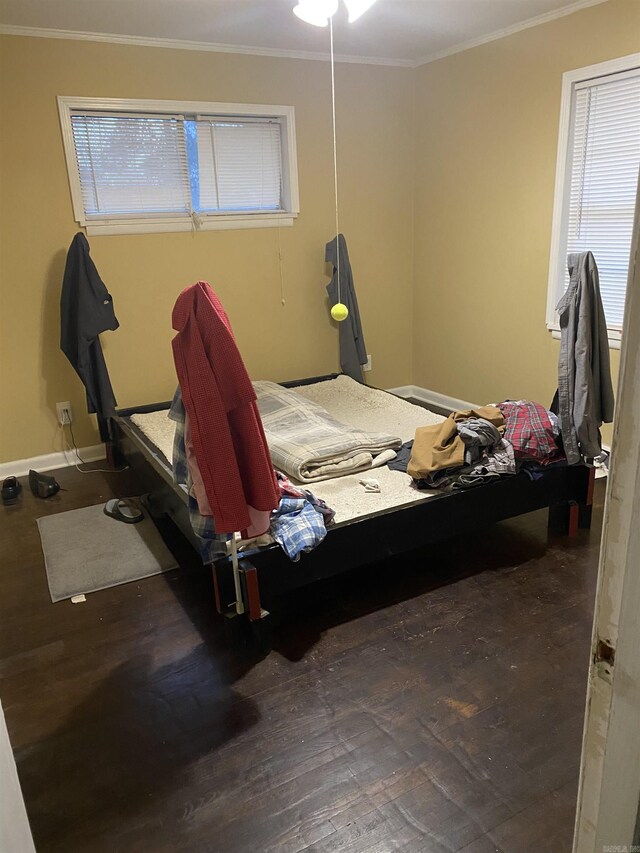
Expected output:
(145, 273)
(447, 181)
(486, 141)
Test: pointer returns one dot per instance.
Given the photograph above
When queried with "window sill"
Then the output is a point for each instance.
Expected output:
(614, 336)
(97, 228)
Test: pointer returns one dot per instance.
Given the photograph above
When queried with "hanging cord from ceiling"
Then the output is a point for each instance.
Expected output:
(335, 150)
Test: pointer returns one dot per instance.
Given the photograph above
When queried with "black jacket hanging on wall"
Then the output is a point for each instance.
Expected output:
(353, 351)
(86, 310)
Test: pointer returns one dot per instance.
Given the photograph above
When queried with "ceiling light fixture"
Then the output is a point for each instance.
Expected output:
(318, 12)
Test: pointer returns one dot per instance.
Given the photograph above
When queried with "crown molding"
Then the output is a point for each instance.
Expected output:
(509, 31)
(248, 50)
(178, 44)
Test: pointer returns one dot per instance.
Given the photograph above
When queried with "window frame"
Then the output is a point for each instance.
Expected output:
(560, 223)
(161, 223)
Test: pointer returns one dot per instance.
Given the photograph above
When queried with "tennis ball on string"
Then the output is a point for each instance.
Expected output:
(339, 312)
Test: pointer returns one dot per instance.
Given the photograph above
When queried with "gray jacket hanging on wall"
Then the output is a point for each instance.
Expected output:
(584, 399)
(353, 350)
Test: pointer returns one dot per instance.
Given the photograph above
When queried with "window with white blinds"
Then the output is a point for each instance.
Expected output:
(240, 164)
(595, 201)
(130, 164)
(137, 168)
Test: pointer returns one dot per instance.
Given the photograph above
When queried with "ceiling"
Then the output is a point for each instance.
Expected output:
(402, 32)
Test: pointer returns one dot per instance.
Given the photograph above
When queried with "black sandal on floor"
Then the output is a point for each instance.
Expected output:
(122, 510)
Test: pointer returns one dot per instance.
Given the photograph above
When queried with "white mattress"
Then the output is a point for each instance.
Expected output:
(355, 405)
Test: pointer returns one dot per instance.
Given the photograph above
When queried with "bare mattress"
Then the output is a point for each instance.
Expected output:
(359, 407)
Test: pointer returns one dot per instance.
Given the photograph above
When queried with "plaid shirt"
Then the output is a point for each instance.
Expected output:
(301, 520)
(529, 429)
(211, 545)
(297, 526)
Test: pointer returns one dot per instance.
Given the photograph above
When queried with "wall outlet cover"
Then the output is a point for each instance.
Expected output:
(64, 412)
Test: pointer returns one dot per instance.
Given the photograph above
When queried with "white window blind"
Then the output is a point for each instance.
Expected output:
(240, 165)
(604, 160)
(144, 166)
(131, 165)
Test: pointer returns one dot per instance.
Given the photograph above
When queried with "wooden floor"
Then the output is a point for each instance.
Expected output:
(440, 711)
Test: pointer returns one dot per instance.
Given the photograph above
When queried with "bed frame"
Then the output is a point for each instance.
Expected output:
(267, 572)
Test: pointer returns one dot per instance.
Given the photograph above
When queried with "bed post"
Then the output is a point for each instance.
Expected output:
(105, 428)
(575, 513)
(584, 509)
(254, 618)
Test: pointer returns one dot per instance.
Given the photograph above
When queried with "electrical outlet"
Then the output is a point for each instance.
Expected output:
(65, 413)
(367, 366)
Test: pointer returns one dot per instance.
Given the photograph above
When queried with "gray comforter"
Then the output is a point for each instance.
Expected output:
(309, 445)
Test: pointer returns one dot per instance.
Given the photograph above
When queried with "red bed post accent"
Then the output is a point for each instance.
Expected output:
(216, 588)
(574, 519)
(252, 590)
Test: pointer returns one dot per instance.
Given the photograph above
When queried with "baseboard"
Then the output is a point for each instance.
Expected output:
(425, 395)
(48, 461)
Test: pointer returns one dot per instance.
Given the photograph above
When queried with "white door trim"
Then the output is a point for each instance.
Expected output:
(609, 790)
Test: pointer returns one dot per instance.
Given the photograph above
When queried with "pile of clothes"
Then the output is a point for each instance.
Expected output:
(476, 446)
(301, 520)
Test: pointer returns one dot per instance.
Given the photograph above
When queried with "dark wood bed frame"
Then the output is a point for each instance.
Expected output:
(267, 572)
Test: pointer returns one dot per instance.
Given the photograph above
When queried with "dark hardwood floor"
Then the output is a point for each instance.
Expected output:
(440, 710)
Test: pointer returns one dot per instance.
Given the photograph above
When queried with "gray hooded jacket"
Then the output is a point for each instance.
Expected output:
(585, 393)
(353, 351)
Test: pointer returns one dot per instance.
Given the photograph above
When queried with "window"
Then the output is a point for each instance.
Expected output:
(597, 181)
(148, 166)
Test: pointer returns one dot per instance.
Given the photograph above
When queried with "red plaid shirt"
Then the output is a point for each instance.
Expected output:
(226, 430)
(530, 431)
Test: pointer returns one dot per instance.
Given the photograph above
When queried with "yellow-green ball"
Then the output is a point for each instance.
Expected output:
(339, 312)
